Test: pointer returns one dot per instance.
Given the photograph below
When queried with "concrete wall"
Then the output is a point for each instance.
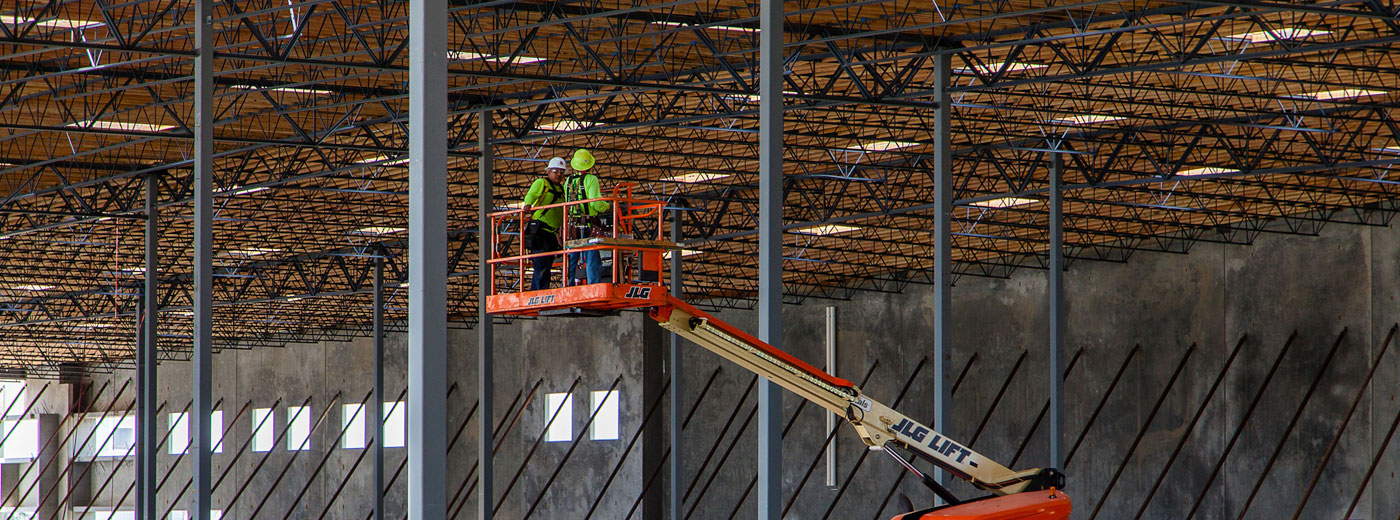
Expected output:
(1165, 315)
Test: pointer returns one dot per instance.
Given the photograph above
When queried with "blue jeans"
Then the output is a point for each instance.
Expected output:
(592, 262)
(543, 264)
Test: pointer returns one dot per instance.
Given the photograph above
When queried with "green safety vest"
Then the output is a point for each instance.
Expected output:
(583, 187)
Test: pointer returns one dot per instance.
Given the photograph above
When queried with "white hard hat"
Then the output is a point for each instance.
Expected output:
(557, 162)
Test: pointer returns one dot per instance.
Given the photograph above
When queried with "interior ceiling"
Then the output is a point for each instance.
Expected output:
(1182, 121)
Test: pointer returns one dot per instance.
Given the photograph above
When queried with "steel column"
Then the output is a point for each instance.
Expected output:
(427, 257)
(943, 243)
(832, 421)
(655, 383)
(673, 496)
(377, 407)
(146, 367)
(770, 252)
(1056, 288)
(486, 385)
(203, 256)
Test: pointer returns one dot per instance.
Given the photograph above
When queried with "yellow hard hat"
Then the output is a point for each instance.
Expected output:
(583, 160)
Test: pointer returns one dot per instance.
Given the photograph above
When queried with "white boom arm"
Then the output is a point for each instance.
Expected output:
(876, 423)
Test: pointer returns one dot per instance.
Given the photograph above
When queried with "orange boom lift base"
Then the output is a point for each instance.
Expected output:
(1048, 504)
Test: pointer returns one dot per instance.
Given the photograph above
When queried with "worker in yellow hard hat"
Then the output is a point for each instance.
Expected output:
(587, 219)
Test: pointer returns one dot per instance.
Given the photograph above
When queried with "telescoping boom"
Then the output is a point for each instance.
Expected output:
(878, 425)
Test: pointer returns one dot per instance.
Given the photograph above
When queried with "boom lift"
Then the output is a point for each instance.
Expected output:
(637, 282)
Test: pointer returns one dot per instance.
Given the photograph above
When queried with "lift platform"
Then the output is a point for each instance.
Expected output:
(638, 281)
(633, 250)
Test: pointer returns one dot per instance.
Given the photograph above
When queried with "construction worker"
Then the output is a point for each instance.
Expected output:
(541, 233)
(587, 219)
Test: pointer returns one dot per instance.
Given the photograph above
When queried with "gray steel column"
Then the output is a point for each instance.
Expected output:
(203, 256)
(673, 497)
(770, 252)
(146, 363)
(1057, 315)
(376, 409)
(943, 244)
(427, 260)
(485, 333)
(832, 420)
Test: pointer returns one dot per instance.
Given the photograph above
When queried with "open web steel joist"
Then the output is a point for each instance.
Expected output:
(1179, 122)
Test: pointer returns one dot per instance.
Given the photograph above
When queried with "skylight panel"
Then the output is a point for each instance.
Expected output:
(1345, 93)
(470, 56)
(697, 177)
(684, 253)
(240, 190)
(994, 67)
(50, 23)
(730, 28)
(380, 230)
(1286, 33)
(1208, 170)
(754, 98)
(882, 146)
(287, 90)
(384, 160)
(565, 125)
(252, 251)
(1004, 202)
(826, 229)
(122, 126)
(1088, 119)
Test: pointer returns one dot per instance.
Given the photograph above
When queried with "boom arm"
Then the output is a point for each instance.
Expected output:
(876, 423)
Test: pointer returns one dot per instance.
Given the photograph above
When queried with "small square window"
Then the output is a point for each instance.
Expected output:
(22, 442)
(298, 428)
(12, 397)
(107, 436)
(560, 408)
(264, 435)
(352, 421)
(605, 420)
(179, 441)
(216, 430)
(395, 435)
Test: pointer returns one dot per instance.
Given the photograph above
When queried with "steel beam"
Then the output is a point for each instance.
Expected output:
(427, 256)
(203, 257)
(377, 408)
(146, 365)
(673, 412)
(832, 421)
(770, 252)
(486, 385)
(1056, 291)
(943, 243)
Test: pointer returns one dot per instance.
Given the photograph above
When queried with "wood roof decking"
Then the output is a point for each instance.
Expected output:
(1148, 95)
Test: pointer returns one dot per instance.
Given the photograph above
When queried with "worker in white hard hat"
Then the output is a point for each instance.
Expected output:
(587, 218)
(541, 233)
